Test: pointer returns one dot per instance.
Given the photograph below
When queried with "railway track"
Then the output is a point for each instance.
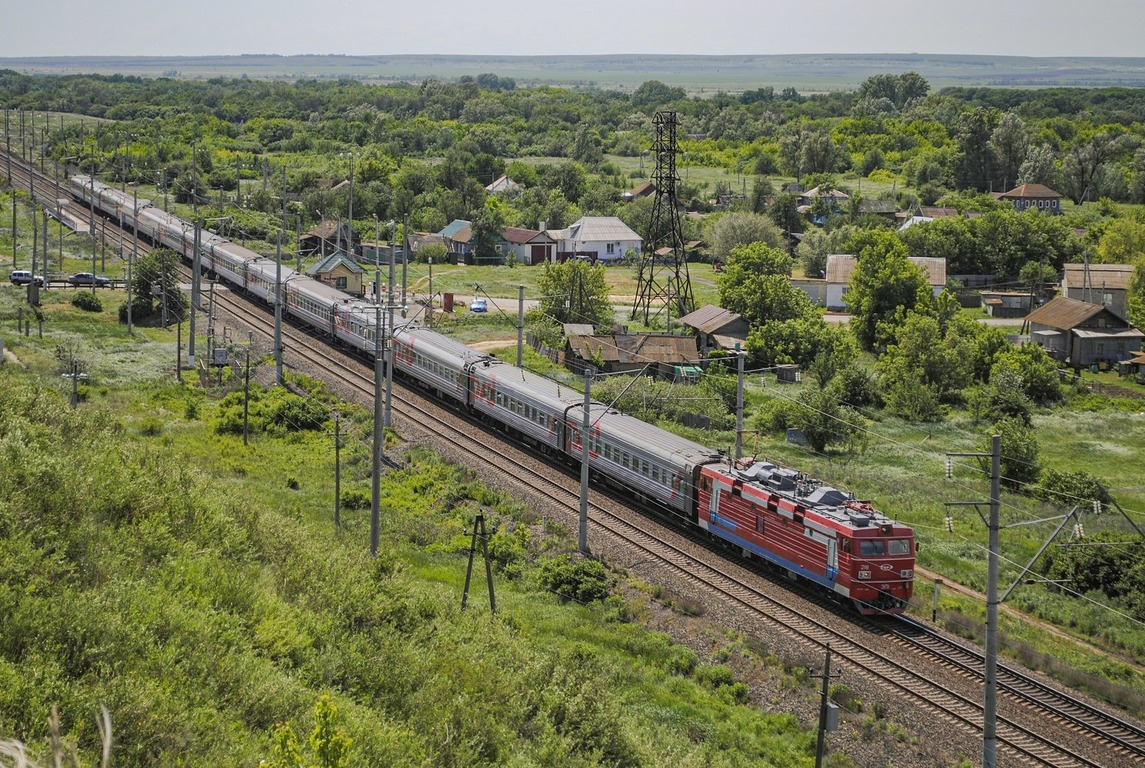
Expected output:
(714, 574)
(1123, 742)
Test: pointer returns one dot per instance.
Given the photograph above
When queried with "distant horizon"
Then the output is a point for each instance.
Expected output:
(622, 54)
(1053, 28)
(697, 73)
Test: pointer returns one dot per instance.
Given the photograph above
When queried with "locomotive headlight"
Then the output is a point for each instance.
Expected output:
(906, 573)
(864, 574)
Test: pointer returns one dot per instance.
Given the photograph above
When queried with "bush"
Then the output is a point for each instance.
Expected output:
(1019, 452)
(354, 499)
(1071, 488)
(775, 416)
(857, 387)
(87, 301)
(581, 579)
(910, 398)
(682, 661)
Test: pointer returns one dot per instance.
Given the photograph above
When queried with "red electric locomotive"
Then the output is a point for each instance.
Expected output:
(812, 530)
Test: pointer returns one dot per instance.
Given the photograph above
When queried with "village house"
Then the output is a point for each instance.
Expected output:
(1033, 196)
(603, 239)
(328, 236)
(526, 246)
(1104, 284)
(656, 354)
(1081, 335)
(339, 271)
(840, 266)
(717, 328)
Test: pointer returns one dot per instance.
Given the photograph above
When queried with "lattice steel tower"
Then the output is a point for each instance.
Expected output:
(663, 281)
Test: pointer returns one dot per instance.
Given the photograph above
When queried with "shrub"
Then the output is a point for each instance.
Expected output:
(581, 579)
(714, 676)
(1071, 488)
(681, 661)
(910, 398)
(1019, 452)
(355, 499)
(857, 387)
(87, 301)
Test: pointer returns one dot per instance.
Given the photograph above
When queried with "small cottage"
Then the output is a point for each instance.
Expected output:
(339, 271)
(1080, 334)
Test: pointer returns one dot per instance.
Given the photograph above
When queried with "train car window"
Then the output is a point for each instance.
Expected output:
(870, 547)
(898, 547)
(846, 546)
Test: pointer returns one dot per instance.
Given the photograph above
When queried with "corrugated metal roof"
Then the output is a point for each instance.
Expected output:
(840, 266)
(1065, 314)
(599, 228)
(1102, 333)
(452, 228)
(710, 318)
(937, 211)
(1115, 276)
(333, 260)
(519, 235)
(636, 348)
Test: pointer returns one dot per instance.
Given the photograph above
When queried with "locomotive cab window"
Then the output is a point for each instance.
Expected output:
(871, 547)
(898, 547)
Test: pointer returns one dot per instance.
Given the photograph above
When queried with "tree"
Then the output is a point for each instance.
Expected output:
(155, 286)
(1086, 166)
(942, 359)
(330, 743)
(487, 228)
(823, 421)
(900, 90)
(1040, 167)
(818, 244)
(586, 146)
(784, 212)
(653, 93)
(884, 281)
(1010, 142)
(1122, 242)
(975, 166)
(575, 292)
(1019, 452)
(1135, 299)
(755, 283)
(736, 229)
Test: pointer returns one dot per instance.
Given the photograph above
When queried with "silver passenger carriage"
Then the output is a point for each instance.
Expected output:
(659, 465)
(526, 402)
(437, 361)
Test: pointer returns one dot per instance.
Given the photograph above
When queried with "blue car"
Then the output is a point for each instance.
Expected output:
(479, 305)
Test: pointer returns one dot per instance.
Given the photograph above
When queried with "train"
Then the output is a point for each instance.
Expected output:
(809, 530)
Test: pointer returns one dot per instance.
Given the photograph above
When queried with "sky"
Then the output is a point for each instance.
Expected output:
(499, 27)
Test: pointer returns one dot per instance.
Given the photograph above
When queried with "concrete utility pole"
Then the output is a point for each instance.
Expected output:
(405, 259)
(196, 288)
(379, 438)
(582, 531)
(828, 712)
(520, 325)
(990, 698)
(337, 471)
(739, 401)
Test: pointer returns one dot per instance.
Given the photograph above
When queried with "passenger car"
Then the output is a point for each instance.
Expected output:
(478, 305)
(24, 277)
(87, 278)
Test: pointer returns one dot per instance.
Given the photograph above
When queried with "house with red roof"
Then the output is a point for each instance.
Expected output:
(1033, 196)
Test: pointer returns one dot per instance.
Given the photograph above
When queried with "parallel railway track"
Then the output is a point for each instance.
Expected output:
(1110, 741)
